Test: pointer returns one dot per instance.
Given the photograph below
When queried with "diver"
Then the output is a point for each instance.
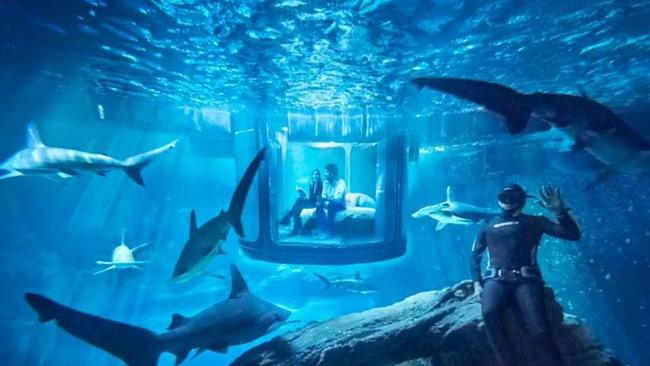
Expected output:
(512, 240)
(304, 201)
(332, 200)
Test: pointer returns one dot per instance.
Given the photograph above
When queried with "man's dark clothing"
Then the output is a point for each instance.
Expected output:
(512, 243)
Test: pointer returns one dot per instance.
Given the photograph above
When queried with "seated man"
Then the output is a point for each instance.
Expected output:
(304, 201)
(333, 199)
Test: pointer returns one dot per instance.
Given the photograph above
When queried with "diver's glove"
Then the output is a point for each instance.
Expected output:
(551, 199)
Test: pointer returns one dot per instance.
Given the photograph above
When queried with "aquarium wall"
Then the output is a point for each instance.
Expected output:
(314, 83)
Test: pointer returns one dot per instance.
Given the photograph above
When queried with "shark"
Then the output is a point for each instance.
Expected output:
(589, 126)
(205, 242)
(58, 164)
(122, 258)
(356, 284)
(241, 318)
(454, 212)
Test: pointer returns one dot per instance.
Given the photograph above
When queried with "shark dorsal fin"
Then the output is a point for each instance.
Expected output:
(450, 194)
(357, 276)
(192, 223)
(177, 321)
(239, 285)
(33, 137)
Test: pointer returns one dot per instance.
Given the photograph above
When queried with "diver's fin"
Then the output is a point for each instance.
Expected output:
(193, 226)
(33, 137)
(357, 276)
(134, 345)
(507, 102)
(440, 225)
(110, 268)
(450, 194)
(325, 280)
(177, 321)
(133, 165)
(239, 197)
(238, 285)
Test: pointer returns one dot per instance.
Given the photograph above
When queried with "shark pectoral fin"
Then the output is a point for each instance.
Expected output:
(11, 174)
(181, 355)
(64, 175)
(140, 247)
(69, 172)
(215, 348)
(177, 321)
(105, 263)
(600, 178)
(440, 226)
(215, 275)
(105, 270)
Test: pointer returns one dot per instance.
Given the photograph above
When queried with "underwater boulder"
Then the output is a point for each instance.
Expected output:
(430, 328)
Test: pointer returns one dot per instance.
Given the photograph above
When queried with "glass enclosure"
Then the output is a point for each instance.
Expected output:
(302, 225)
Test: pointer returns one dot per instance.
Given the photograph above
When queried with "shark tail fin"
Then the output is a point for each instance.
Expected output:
(325, 280)
(239, 197)
(134, 345)
(133, 165)
(513, 106)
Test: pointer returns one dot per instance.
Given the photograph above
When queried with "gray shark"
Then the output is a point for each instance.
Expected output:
(36, 159)
(205, 242)
(241, 318)
(454, 212)
(591, 126)
(356, 284)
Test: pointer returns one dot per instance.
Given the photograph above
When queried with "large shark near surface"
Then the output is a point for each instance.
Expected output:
(206, 242)
(37, 159)
(589, 125)
(241, 318)
(454, 212)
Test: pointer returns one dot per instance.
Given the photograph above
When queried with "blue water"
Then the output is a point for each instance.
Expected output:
(121, 77)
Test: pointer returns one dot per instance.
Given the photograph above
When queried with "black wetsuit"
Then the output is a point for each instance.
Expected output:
(512, 243)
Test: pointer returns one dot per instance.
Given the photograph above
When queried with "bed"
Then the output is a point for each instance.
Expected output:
(358, 218)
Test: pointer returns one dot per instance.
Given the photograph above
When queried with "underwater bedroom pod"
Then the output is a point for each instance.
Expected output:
(369, 157)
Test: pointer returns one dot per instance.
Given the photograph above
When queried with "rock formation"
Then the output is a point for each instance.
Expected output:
(441, 328)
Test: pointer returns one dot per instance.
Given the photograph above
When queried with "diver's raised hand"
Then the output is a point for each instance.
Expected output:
(551, 199)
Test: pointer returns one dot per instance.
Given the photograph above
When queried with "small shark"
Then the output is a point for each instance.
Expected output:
(206, 242)
(356, 284)
(55, 163)
(589, 125)
(241, 318)
(454, 212)
(122, 257)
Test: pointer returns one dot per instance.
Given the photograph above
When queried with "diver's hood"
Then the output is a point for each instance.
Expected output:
(512, 197)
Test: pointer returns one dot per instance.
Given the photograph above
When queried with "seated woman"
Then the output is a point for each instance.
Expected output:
(333, 199)
(304, 201)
